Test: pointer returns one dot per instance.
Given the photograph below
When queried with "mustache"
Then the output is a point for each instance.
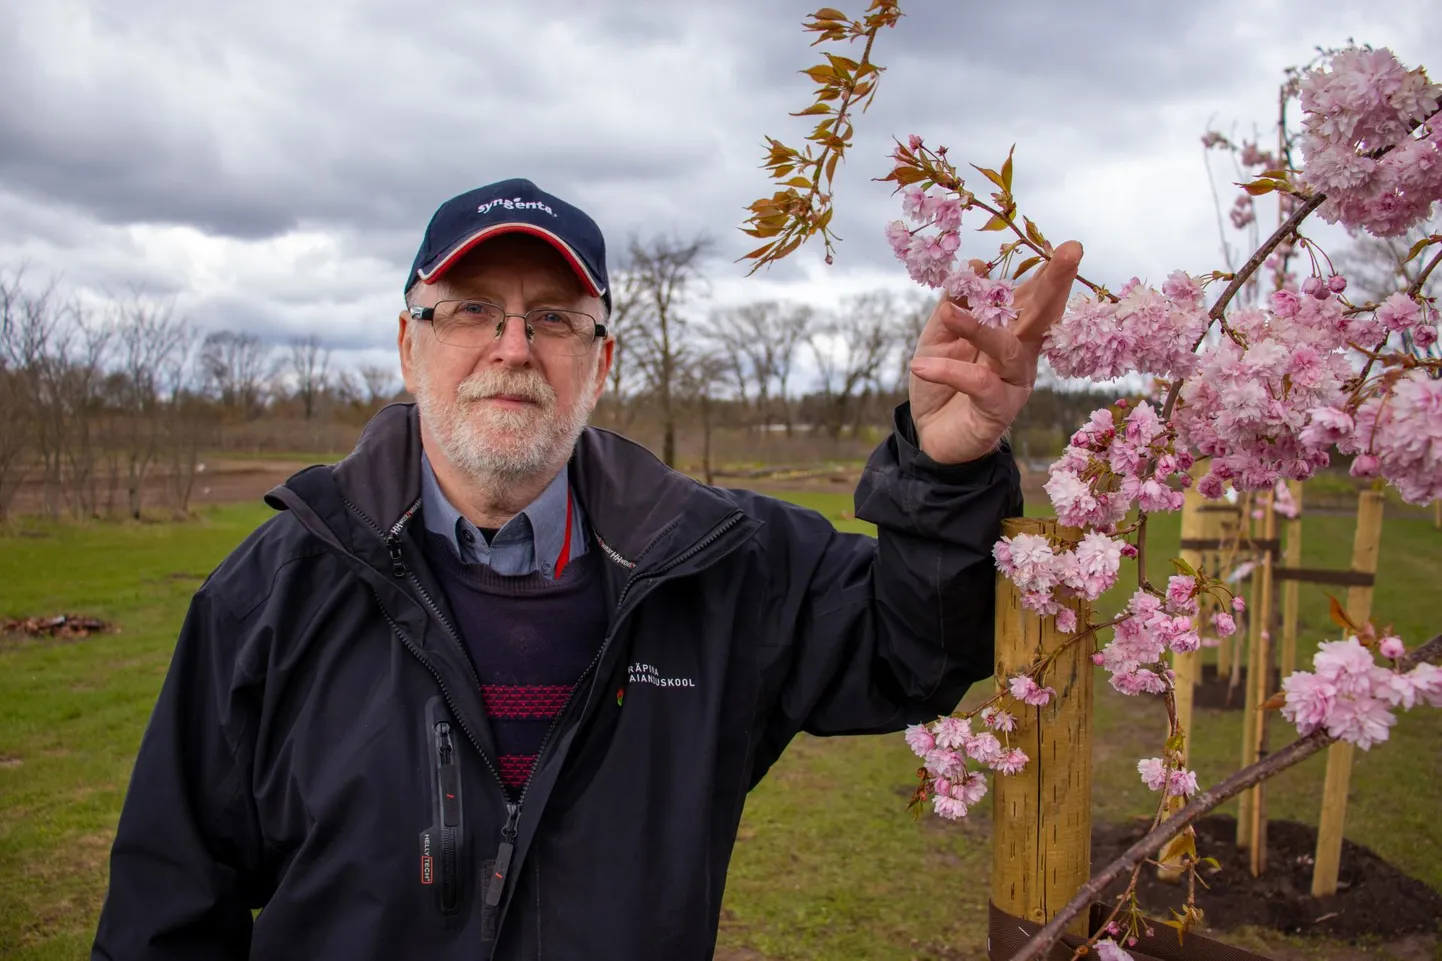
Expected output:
(528, 385)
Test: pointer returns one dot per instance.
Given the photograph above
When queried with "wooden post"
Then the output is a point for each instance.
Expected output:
(1220, 529)
(1041, 818)
(1187, 667)
(1244, 526)
(1254, 631)
(1365, 546)
(1258, 681)
(1293, 559)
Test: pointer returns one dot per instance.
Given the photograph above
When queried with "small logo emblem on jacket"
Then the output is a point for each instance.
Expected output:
(427, 871)
(640, 673)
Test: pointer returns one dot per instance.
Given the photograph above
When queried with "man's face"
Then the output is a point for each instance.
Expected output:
(512, 407)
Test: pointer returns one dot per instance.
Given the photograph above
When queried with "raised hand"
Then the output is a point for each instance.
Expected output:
(968, 382)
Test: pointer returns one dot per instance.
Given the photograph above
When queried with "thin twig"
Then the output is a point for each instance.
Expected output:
(1294, 753)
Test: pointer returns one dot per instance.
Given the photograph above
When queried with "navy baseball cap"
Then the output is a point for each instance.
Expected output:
(512, 207)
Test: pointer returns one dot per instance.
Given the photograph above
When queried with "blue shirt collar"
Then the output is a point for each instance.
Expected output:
(529, 542)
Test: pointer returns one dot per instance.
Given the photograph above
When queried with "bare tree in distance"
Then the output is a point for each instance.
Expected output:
(18, 350)
(235, 367)
(625, 377)
(701, 383)
(851, 348)
(148, 335)
(310, 363)
(761, 340)
(378, 382)
(186, 421)
(913, 311)
(665, 271)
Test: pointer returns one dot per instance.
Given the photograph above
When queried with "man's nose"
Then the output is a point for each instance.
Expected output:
(513, 346)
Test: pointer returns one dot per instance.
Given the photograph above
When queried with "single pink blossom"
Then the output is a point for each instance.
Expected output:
(1181, 593)
(948, 807)
(1026, 690)
(920, 739)
(1153, 771)
(1012, 761)
(1391, 647)
(998, 720)
(1066, 620)
(1224, 623)
(945, 764)
(984, 747)
(1109, 950)
(1238, 604)
(952, 733)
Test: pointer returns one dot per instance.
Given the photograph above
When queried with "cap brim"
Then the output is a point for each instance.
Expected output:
(438, 269)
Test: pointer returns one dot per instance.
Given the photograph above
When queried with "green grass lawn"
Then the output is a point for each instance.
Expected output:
(828, 864)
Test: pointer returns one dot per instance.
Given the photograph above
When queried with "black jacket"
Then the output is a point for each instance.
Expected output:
(319, 748)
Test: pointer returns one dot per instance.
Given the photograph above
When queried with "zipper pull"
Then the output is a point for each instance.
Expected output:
(450, 779)
(497, 881)
(393, 545)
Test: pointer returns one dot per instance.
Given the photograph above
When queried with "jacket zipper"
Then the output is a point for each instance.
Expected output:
(495, 885)
(450, 814)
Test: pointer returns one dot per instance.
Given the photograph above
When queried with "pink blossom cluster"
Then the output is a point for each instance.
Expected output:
(1152, 626)
(946, 745)
(927, 243)
(1178, 782)
(1043, 574)
(1414, 316)
(1398, 435)
(1356, 105)
(1145, 331)
(1248, 406)
(1107, 468)
(1352, 697)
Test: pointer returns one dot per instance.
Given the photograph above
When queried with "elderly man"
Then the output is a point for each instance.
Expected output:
(496, 684)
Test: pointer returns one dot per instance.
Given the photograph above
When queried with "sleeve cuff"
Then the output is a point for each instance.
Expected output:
(914, 461)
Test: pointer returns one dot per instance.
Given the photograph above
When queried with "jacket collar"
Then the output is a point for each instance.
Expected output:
(641, 512)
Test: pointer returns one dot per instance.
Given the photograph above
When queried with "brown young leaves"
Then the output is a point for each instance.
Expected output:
(801, 207)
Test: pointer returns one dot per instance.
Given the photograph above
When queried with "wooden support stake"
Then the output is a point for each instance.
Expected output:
(1041, 818)
(1259, 680)
(1292, 558)
(1187, 667)
(1244, 527)
(1254, 632)
(1366, 544)
(1220, 528)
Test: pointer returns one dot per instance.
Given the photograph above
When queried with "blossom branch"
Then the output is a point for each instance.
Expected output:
(1294, 753)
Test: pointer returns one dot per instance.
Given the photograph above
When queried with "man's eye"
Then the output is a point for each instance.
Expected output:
(474, 309)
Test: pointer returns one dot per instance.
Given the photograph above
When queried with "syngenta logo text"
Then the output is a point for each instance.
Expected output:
(639, 673)
(515, 203)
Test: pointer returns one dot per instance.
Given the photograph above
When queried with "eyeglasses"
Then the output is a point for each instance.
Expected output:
(476, 323)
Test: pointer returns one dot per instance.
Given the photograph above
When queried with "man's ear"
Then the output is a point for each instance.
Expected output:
(603, 367)
(405, 337)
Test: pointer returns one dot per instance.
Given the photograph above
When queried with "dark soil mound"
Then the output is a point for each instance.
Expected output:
(1373, 898)
(1216, 693)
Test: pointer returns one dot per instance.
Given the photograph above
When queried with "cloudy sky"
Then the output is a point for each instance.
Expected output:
(270, 164)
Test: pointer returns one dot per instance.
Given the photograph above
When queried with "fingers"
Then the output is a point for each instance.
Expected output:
(1013, 362)
(977, 381)
(1043, 298)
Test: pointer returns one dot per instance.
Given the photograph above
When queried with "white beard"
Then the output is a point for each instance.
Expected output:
(492, 444)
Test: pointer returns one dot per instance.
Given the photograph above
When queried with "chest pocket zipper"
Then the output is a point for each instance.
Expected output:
(441, 842)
